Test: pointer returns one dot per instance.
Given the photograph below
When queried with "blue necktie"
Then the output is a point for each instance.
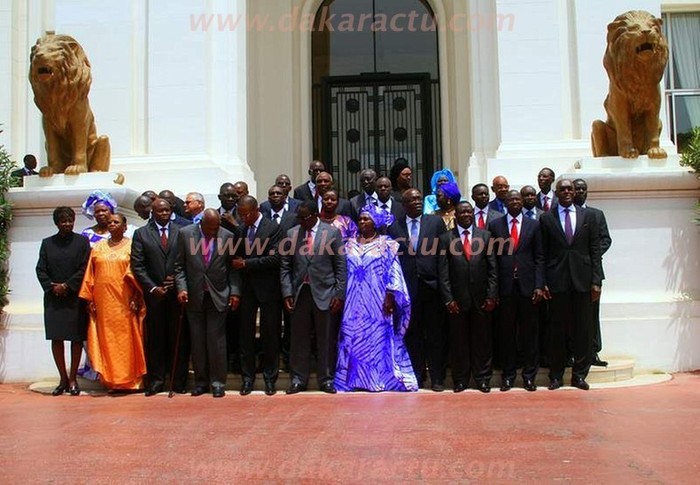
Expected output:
(251, 234)
(530, 214)
(414, 234)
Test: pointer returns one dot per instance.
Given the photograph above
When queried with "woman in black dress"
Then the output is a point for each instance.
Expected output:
(61, 267)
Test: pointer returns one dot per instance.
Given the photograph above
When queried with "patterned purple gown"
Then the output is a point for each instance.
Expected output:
(371, 352)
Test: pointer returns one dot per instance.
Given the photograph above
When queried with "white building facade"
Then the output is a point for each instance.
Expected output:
(194, 93)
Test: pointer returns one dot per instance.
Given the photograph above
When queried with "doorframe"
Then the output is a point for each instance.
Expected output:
(448, 71)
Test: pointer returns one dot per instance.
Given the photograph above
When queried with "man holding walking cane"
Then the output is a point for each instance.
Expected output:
(153, 254)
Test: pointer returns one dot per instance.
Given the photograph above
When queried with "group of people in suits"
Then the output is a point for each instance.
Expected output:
(481, 281)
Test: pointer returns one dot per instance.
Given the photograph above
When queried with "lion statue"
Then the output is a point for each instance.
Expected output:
(60, 77)
(635, 60)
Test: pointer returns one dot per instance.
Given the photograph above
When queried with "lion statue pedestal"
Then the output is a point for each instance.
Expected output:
(60, 77)
(635, 60)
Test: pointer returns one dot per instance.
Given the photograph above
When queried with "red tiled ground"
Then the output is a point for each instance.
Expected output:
(643, 434)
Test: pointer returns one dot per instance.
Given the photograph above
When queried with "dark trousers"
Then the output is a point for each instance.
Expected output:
(208, 336)
(518, 334)
(470, 345)
(162, 321)
(570, 315)
(426, 336)
(286, 336)
(596, 337)
(308, 318)
(232, 346)
(270, 328)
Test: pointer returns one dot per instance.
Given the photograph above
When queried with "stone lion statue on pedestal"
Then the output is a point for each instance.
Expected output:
(60, 77)
(635, 60)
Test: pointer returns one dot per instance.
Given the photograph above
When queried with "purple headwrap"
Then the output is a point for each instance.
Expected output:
(380, 217)
(451, 191)
(95, 197)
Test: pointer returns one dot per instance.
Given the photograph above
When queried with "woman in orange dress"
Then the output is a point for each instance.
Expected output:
(115, 302)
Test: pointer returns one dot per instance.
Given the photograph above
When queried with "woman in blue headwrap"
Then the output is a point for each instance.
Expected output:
(440, 177)
(448, 197)
(371, 353)
(98, 206)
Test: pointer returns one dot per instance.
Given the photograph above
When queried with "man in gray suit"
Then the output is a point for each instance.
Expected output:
(208, 285)
(313, 275)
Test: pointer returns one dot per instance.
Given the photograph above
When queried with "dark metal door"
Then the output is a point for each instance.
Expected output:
(373, 120)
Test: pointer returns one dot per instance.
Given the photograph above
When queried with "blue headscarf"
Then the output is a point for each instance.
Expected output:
(436, 176)
(95, 197)
(451, 191)
(380, 217)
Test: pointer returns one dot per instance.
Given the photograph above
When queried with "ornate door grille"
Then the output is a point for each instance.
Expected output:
(373, 120)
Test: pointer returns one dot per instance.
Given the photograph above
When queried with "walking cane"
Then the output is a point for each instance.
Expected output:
(177, 349)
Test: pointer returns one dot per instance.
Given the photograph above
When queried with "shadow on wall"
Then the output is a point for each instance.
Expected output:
(682, 267)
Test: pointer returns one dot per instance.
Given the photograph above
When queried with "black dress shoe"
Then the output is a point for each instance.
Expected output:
(74, 390)
(154, 389)
(328, 387)
(60, 389)
(179, 390)
(270, 389)
(597, 362)
(437, 386)
(295, 388)
(219, 391)
(554, 384)
(246, 388)
(529, 385)
(460, 387)
(580, 383)
(484, 387)
(507, 385)
(199, 390)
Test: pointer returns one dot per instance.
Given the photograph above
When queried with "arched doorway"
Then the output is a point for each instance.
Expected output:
(376, 88)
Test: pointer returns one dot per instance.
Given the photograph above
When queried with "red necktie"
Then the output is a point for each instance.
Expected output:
(514, 233)
(482, 222)
(309, 242)
(545, 205)
(163, 238)
(467, 246)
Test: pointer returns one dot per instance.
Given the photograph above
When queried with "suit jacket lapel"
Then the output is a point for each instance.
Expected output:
(580, 216)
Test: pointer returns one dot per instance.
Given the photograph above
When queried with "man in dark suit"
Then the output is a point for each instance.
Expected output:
(386, 201)
(285, 182)
(257, 260)
(208, 285)
(521, 289)
(176, 203)
(500, 188)
(153, 255)
(483, 214)
(530, 209)
(469, 289)
(546, 198)
(580, 196)
(28, 169)
(286, 219)
(287, 204)
(368, 181)
(307, 191)
(426, 337)
(227, 210)
(324, 183)
(571, 239)
(313, 275)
